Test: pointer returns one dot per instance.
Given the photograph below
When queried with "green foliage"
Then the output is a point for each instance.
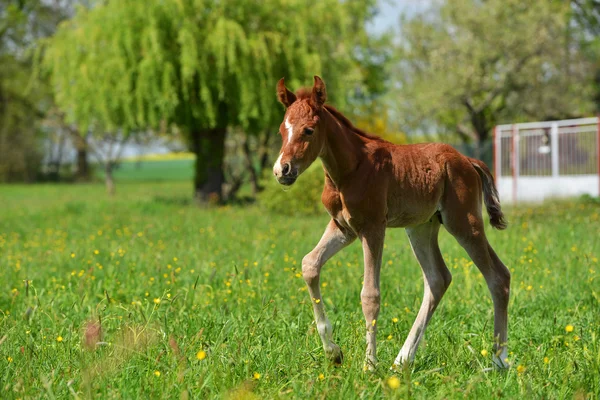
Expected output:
(467, 65)
(302, 198)
(20, 136)
(227, 283)
(21, 110)
(199, 64)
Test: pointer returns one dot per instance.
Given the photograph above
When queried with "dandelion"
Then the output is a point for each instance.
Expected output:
(201, 355)
(157, 373)
(389, 337)
(256, 376)
(529, 287)
(393, 382)
(9, 359)
(546, 360)
(157, 301)
(321, 377)
(569, 328)
(521, 369)
(59, 339)
(484, 352)
(394, 320)
(96, 252)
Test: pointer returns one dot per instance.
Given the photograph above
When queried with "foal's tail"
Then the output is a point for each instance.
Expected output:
(490, 195)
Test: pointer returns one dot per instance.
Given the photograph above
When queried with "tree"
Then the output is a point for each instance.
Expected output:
(470, 64)
(587, 22)
(205, 66)
(22, 22)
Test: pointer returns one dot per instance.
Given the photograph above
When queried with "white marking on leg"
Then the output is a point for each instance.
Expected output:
(290, 129)
(332, 241)
(423, 240)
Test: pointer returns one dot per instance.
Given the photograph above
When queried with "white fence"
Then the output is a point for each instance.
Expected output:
(538, 160)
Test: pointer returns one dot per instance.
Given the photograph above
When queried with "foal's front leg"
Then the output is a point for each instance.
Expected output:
(334, 239)
(372, 242)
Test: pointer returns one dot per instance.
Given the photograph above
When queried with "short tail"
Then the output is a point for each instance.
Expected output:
(490, 195)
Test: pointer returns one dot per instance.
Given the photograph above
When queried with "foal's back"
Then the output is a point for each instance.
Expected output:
(420, 177)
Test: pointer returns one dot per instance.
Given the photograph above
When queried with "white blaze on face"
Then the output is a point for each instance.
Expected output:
(277, 168)
(290, 129)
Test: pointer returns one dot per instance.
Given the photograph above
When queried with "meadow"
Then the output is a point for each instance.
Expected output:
(146, 295)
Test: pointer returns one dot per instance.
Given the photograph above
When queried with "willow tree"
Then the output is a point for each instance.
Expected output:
(203, 65)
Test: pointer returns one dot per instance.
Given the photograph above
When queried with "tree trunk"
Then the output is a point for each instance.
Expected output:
(108, 178)
(254, 178)
(209, 147)
(83, 169)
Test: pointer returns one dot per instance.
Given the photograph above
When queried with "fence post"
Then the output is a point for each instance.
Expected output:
(598, 151)
(515, 161)
(554, 149)
(495, 154)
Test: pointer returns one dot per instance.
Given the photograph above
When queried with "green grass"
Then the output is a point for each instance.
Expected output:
(152, 170)
(167, 280)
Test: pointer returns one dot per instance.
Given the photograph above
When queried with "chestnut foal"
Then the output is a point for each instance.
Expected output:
(371, 184)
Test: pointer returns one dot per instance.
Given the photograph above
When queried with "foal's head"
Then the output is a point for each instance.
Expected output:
(302, 134)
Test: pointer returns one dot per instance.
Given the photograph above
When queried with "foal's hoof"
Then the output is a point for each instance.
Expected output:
(334, 354)
(370, 365)
(499, 363)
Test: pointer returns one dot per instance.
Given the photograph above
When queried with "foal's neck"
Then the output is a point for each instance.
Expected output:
(343, 149)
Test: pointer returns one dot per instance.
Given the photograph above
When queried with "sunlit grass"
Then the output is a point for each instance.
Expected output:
(148, 296)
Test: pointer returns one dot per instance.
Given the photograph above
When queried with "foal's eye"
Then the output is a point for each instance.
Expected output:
(308, 131)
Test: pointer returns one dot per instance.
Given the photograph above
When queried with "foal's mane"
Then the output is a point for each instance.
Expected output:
(348, 124)
(305, 93)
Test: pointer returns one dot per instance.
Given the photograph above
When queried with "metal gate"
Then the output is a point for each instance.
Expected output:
(539, 160)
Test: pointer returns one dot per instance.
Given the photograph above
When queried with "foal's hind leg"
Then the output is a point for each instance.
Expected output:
(436, 279)
(469, 233)
(333, 240)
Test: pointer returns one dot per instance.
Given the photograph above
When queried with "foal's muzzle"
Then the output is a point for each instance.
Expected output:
(286, 175)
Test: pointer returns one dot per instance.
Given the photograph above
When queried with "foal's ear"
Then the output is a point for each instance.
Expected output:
(319, 94)
(284, 96)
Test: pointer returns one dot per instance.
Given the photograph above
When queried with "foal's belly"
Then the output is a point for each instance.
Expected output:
(402, 218)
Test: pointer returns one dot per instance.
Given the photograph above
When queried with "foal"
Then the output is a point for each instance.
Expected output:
(371, 184)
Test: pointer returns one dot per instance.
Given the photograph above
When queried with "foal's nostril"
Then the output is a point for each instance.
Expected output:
(286, 169)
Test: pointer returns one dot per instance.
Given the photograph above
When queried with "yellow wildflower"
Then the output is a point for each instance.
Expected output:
(393, 382)
(256, 376)
(201, 355)
(569, 328)
(484, 352)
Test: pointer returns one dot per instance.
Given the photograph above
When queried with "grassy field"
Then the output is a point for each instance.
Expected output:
(152, 170)
(148, 296)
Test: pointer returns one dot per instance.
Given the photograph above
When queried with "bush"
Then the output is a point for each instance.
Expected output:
(302, 198)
